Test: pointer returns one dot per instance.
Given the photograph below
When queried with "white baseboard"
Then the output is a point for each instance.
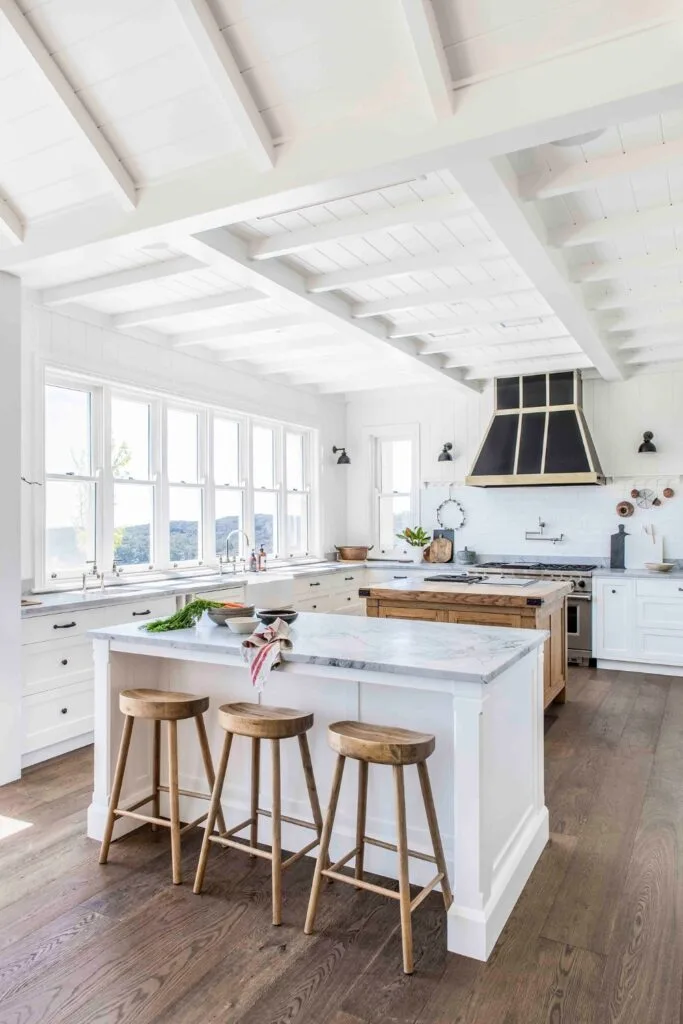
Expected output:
(641, 666)
(56, 749)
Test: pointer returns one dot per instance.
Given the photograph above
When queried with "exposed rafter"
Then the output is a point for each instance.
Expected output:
(486, 339)
(491, 185)
(274, 347)
(449, 324)
(638, 266)
(149, 314)
(658, 219)
(77, 290)
(462, 293)
(633, 320)
(475, 356)
(222, 67)
(661, 354)
(453, 256)
(346, 385)
(431, 58)
(655, 297)
(282, 281)
(541, 364)
(592, 174)
(245, 329)
(287, 242)
(11, 225)
(123, 184)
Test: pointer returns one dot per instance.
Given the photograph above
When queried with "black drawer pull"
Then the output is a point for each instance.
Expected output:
(66, 625)
(147, 612)
(314, 584)
(400, 577)
(64, 711)
(347, 578)
(65, 661)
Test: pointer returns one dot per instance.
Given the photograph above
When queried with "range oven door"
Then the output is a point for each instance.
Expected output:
(579, 629)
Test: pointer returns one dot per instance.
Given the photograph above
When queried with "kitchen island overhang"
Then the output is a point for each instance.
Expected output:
(477, 689)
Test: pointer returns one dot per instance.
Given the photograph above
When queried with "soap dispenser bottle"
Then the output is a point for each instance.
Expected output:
(253, 567)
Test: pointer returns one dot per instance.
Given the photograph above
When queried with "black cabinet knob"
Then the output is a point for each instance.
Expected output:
(314, 607)
(65, 661)
(64, 711)
(614, 591)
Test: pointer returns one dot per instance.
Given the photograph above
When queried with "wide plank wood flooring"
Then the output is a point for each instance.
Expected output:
(597, 937)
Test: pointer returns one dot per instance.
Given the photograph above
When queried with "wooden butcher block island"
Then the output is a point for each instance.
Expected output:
(533, 604)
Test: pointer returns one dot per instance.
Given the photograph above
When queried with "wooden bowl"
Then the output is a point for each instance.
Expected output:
(660, 566)
(221, 615)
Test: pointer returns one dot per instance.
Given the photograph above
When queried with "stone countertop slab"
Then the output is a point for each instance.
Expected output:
(438, 650)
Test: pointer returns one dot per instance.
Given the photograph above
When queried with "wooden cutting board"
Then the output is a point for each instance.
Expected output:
(440, 550)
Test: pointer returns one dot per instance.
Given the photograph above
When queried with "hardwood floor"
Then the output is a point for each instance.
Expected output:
(596, 937)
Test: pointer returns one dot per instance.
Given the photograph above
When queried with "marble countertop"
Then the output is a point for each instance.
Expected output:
(434, 650)
(640, 573)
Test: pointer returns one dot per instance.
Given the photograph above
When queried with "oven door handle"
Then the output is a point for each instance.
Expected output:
(579, 597)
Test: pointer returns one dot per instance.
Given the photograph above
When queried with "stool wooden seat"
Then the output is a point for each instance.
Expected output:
(160, 706)
(257, 722)
(386, 745)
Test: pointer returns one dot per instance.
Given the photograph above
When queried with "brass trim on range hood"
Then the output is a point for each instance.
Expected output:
(538, 435)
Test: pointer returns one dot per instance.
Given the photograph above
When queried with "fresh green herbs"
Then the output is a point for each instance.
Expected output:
(417, 538)
(183, 619)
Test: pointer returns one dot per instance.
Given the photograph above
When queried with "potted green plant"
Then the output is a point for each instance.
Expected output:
(417, 540)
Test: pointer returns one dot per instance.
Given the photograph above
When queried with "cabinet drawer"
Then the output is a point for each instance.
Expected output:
(319, 603)
(140, 611)
(350, 579)
(664, 613)
(669, 589)
(228, 594)
(464, 618)
(664, 648)
(406, 612)
(63, 624)
(56, 716)
(54, 664)
(312, 587)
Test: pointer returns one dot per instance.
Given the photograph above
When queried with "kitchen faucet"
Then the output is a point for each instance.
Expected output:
(227, 548)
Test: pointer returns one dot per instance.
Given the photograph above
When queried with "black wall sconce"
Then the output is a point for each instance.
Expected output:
(646, 444)
(343, 459)
(445, 453)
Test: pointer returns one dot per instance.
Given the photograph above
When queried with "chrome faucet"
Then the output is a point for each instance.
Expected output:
(227, 547)
(93, 572)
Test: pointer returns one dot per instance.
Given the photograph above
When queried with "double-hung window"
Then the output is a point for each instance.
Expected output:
(266, 487)
(71, 488)
(228, 487)
(185, 486)
(395, 488)
(133, 484)
(296, 493)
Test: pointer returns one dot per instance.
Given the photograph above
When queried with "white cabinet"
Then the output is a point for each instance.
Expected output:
(613, 602)
(639, 620)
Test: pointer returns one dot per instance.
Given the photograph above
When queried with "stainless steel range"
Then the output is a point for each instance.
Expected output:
(579, 619)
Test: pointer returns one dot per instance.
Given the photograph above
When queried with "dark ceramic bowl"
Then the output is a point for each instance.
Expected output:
(269, 615)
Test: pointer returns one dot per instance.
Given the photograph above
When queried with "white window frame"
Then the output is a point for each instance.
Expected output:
(375, 437)
(201, 483)
(238, 486)
(305, 489)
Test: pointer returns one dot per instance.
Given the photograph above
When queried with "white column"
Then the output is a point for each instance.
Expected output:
(10, 528)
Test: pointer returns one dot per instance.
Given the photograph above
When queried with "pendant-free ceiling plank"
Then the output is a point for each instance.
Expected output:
(288, 242)
(639, 266)
(657, 220)
(149, 314)
(265, 325)
(453, 256)
(492, 186)
(76, 290)
(438, 296)
(583, 176)
(431, 57)
(449, 324)
(11, 225)
(222, 66)
(283, 282)
(124, 186)
(487, 339)
(540, 365)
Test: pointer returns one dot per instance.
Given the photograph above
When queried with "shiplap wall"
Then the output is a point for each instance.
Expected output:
(497, 519)
(61, 341)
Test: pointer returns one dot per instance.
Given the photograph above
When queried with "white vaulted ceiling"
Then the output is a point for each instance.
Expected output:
(343, 194)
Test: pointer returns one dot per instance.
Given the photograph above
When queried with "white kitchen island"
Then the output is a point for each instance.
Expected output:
(478, 689)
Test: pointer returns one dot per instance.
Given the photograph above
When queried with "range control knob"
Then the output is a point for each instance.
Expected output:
(581, 584)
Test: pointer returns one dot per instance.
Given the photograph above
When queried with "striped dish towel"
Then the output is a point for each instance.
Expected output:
(261, 650)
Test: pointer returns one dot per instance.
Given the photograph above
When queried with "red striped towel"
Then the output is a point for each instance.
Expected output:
(261, 650)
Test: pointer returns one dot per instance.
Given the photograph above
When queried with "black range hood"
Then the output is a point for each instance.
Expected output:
(538, 436)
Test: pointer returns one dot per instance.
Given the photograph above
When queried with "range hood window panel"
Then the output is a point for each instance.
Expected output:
(562, 388)
(534, 391)
(565, 452)
(497, 456)
(507, 393)
(530, 458)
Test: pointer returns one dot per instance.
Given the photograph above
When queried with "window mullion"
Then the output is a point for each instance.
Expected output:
(105, 545)
(162, 557)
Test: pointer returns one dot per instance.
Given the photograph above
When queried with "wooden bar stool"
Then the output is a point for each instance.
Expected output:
(376, 744)
(159, 706)
(258, 722)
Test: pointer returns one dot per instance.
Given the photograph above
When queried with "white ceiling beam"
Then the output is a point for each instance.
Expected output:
(222, 67)
(449, 324)
(595, 172)
(475, 356)
(661, 354)
(659, 219)
(431, 57)
(456, 294)
(149, 314)
(271, 347)
(264, 325)
(453, 256)
(649, 338)
(491, 185)
(288, 242)
(639, 266)
(77, 290)
(485, 339)
(363, 384)
(633, 320)
(284, 283)
(11, 224)
(123, 184)
(539, 365)
(655, 297)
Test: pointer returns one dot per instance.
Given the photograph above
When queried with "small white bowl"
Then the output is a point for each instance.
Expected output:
(238, 625)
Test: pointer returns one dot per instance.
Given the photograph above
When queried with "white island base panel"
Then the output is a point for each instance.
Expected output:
(487, 770)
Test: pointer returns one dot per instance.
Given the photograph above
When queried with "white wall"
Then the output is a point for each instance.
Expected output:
(10, 574)
(497, 519)
(57, 340)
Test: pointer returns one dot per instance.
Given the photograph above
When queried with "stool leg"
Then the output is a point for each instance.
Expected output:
(403, 877)
(277, 836)
(430, 810)
(324, 845)
(116, 787)
(156, 772)
(255, 785)
(208, 764)
(213, 812)
(360, 816)
(310, 782)
(173, 797)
